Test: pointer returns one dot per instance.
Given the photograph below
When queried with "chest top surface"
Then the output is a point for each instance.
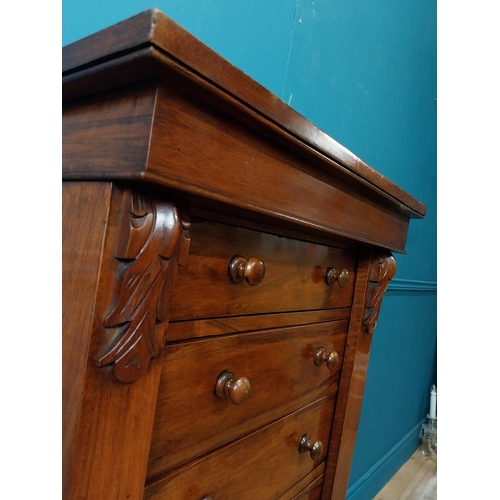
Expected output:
(145, 101)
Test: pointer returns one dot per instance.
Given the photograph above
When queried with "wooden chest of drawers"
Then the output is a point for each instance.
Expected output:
(224, 263)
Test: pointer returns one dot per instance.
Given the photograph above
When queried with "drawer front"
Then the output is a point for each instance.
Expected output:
(294, 279)
(191, 419)
(311, 492)
(308, 488)
(263, 465)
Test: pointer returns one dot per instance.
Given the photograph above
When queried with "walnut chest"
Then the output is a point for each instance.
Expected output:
(224, 264)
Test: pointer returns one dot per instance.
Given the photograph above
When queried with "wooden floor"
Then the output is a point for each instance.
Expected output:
(416, 480)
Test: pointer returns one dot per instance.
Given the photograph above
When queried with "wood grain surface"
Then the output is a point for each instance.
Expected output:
(354, 371)
(113, 434)
(85, 209)
(108, 132)
(312, 491)
(191, 419)
(416, 480)
(304, 489)
(294, 279)
(152, 28)
(261, 465)
(230, 164)
(185, 330)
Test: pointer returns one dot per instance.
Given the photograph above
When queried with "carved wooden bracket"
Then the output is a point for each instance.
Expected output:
(382, 270)
(152, 241)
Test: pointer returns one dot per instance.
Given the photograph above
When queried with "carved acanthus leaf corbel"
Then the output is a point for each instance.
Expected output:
(382, 270)
(152, 241)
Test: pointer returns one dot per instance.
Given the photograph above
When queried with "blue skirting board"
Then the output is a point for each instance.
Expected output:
(367, 487)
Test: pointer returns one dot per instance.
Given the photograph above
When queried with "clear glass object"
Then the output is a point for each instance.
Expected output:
(428, 431)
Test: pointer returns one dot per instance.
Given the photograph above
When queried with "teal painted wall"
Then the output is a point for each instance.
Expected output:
(364, 72)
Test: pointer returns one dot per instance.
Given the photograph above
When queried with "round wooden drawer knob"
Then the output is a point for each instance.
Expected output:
(228, 386)
(315, 449)
(252, 270)
(332, 276)
(321, 356)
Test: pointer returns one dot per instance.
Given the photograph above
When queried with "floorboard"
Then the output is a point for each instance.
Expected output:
(416, 480)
